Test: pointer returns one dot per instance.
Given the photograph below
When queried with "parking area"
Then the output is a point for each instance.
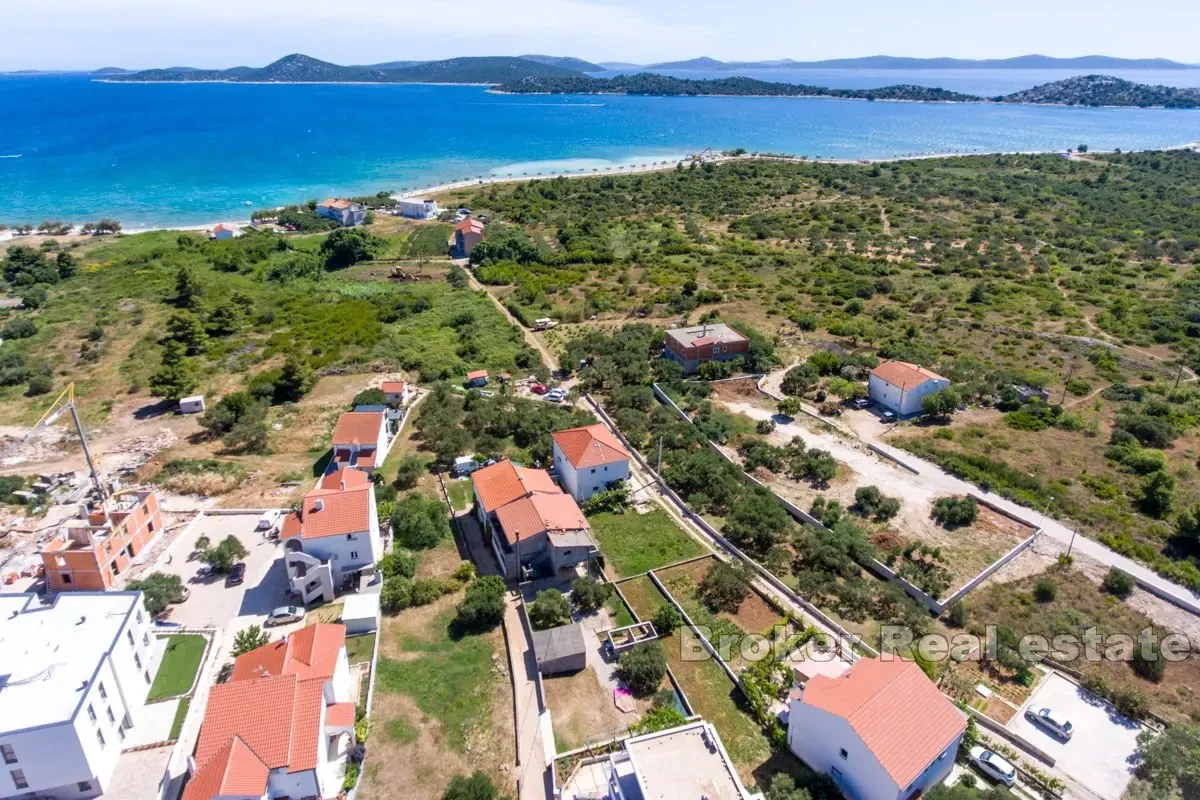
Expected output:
(1101, 750)
(212, 603)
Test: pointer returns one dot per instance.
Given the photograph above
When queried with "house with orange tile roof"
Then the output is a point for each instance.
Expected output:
(467, 234)
(282, 725)
(395, 393)
(589, 460)
(346, 212)
(91, 551)
(530, 520)
(881, 729)
(900, 386)
(361, 439)
(332, 541)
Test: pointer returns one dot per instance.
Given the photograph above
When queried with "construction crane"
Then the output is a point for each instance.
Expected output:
(702, 156)
(63, 403)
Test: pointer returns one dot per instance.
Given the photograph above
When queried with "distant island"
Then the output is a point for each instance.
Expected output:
(1088, 90)
(895, 62)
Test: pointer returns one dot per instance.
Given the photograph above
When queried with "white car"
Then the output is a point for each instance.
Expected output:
(556, 395)
(283, 616)
(993, 766)
(267, 521)
(1050, 721)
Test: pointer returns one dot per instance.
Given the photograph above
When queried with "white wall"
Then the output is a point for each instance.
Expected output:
(582, 484)
(51, 757)
(337, 690)
(817, 738)
(889, 396)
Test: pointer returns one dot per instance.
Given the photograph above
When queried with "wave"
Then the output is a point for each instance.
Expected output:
(17, 155)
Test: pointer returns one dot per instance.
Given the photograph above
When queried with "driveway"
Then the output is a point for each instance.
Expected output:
(212, 603)
(1100, 753)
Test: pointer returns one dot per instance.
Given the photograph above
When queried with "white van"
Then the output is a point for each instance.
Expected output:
(267, 521)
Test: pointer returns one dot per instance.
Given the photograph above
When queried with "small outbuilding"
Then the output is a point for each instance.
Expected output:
(360, 614)
(192, 405)
(559, 650)
(477, 378)
(900, 387)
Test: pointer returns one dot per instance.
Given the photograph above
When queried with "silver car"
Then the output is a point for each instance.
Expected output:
(1051, 721)
(994, 766)
(284, 615)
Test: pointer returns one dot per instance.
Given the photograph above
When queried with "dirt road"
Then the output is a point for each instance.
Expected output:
(548, 358)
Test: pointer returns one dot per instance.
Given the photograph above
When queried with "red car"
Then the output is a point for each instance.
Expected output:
(538, 388)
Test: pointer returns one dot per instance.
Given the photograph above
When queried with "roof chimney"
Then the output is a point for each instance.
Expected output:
(318, 504)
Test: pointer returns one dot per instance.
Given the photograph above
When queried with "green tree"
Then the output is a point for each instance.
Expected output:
(296, 379)
(588, 593)
(940, 404)
(176, 376)
(419, 523)
(222, 557)
(188, 291)
(185, 327)
(1157, 493)
(800, 379)
(791, 406)
(248, 639)
(549, 609)
(409, 471)
(724, 587)
(955, 512)
(346, 247)
(398, 563)
(756, 521)
(396, 594)
(666, 619)
(159, 590)
(1170, 760)
(643, 667)
(482, 608)
(1119, 582)
(66, 264)
(476, 786)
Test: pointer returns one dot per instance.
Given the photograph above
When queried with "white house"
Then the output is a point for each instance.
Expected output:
(361, 439)
(346, 212)
(73, 681)
(588, 460)
(282, 725)
(685, 762)
(900, 387)
(414, 208)
(396, 393)
(334, 538)
(225, 230)
(881, 729)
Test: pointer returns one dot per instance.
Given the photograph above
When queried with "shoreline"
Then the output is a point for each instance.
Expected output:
(632, 169)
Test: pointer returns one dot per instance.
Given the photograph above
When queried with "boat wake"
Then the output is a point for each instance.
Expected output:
(17, 155)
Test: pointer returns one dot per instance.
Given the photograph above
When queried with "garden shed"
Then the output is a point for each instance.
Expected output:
(560, 649)
(360, 614)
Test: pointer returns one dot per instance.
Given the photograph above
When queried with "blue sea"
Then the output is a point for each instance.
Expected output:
(76, 149)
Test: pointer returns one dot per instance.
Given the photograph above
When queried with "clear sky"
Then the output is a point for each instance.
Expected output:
(75, 34)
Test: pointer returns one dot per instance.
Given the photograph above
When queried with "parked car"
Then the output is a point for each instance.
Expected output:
(556, 395)
(1051, 721)
(888, 416)
(237, 574)
(267, 521)
(183, 595)
(994, 766)
(284, 615)
(538, 388)
(861, 402)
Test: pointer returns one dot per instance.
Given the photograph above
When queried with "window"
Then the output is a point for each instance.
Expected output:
(103, 693)
(354, 555)
(843, 754)
(150, 526)
(147, 675)
(18, 778)
(66, 578)
(137, 661)
(835, 772)
(145, 640)
(129, 636)
(716, 351)
(84, 786)
(111, 719)
(593, 470)
(91, 712)
(100, 738)
(121, 731)
(10, 755)
(139, 616)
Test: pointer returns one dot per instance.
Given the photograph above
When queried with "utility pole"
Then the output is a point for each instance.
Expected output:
(1178, 375)
(658, 468)
(1070, 374)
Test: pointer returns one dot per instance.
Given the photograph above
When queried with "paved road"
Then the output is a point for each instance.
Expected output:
(533, 763)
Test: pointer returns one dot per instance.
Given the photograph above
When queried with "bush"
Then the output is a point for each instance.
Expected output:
(666, 619)
(1119, 582)
(464, 572)
(549, 610)
(398, 564)
(1148, 661)
(800, 379)
(870, 502)
(19, 328)
(957, 616)
(39, 385)
(426, 590)
(483, 607)
(764, 426)
(955, 512)
(419, 523)
(588, 594)
(477, 786)
(396, 594)
(409, 471)
(724, 587)
(643, 667)
(1045, 591)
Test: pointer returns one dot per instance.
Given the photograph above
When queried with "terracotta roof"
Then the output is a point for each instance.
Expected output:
(311, 652)
(469, 224)
(234, 770)
(479, 373)
(358, 427)
(590, 446)
(222, 226)
(340, 715)
(279, 719)
(904, 376)
(345, 478)
(332, 512)
(532, 515)
(337, 202)
(392, 387)
(504, 482)
(895, 709)
(703, 340)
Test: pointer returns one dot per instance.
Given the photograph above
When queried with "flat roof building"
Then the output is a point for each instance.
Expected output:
(74, 675)
(710, 341)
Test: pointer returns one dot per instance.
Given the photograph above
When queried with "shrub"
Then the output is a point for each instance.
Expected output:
(476, 786)
(1045, 590)
(549, 610)
(483, 606)
(724, 587)
(19, 328)
(659, 718)
(666, 619)
(409, 471)
(1148, 661)
(588, 594)
(398, 564)
(39, 385)
(955, 512)
(396, 594)
(764, 426)
(426, 590)
(464, 572)
(419, 523)
(643, 667)
(1119, 582)
(957, 616)
(870, 502)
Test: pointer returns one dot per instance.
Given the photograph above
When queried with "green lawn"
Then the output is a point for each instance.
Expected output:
(360, 648)
(448, 679)
(617, 610)
(180, 715)
(178, 670)
(634, 543)
(460, 493)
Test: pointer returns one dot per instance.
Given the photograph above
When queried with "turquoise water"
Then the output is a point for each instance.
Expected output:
(154, 154)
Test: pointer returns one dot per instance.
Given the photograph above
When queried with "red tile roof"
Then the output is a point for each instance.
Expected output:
(904, 376)
(340, 715)
(358, 427)
(234, 770)
(345, 478)
(337, 202)
(332, 512)
(311, 652)
(479, 373)
(590, 446)
(469, 224)
(504, 482)
(392, 387)
(532, 515)
(895, 709)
